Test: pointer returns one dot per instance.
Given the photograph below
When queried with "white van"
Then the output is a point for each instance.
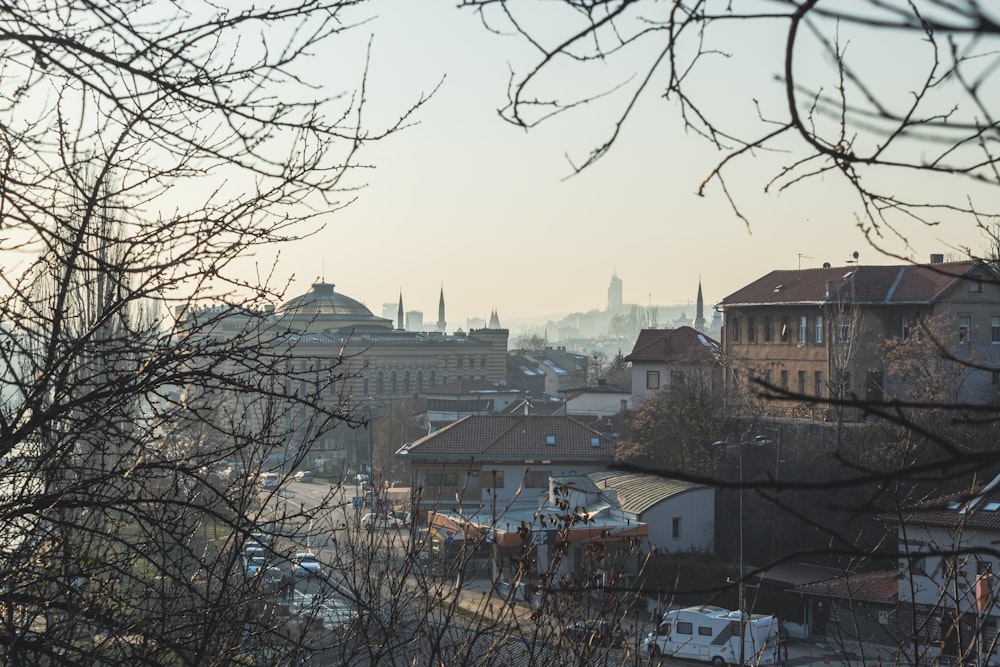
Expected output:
(269, 480)
(712, 634)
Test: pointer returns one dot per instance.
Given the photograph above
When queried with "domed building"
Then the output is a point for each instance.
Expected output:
(325, 338)
(326, 311)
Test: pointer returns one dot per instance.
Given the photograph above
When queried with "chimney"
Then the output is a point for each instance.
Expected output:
(937, 258)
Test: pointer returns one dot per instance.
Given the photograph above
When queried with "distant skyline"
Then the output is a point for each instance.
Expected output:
(466, 201)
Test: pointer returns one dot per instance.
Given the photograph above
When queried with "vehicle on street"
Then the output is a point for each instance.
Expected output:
(304, 476)
(595, 632)
(712, 634)
(254, 565)
(402, 517)
(269, 480)
(271, 577)
(381, 521)
(305, 564)
(361, 478)
(253, 550)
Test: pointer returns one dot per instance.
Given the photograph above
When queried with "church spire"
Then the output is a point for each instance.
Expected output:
(494, 320)
(441, 324)
(399, 314)
(699, 317)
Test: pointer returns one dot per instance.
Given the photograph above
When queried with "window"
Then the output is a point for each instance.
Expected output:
(845, 330)
(767, 329)
(652, 379)
(537, 479)
(379, 383)
(975, 286)
(492, 479)
(904, 327)
(751, 330)
(685, 628)
(802, 382)
(818, 334)
(441, 479)
(420, 380)
(676, 378)
(995, 329)
(784, 380)
(735, 330)
(964, 327)
(918, 565)
(392, 382)
(818, 379)
(803, 328)
(784, 330)
(550, 440)
(595, 441)
(676, 527)
(704, 632)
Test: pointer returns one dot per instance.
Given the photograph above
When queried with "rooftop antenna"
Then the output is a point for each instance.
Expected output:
(800, 259)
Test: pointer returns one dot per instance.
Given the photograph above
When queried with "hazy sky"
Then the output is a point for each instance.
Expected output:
(469, 202)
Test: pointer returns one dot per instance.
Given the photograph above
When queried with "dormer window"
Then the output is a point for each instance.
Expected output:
(595, 441)
(550, 440)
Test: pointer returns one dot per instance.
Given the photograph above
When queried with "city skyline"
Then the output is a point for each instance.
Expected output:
(469, 202)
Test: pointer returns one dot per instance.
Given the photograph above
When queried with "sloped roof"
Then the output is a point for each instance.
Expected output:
(978, 509)
(881, 586)
(885, 285)
(514, 437)
(680, 344)
(638, 492)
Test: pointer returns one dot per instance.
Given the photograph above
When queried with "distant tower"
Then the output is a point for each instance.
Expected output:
(494, 320)
(615, 292)
(399, 313)
(441, 325)
(699, 317)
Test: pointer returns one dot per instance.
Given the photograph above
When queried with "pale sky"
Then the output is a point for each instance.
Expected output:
(469, 202)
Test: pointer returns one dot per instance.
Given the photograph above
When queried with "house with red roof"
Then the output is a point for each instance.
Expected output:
(662, 358)
(820, 333)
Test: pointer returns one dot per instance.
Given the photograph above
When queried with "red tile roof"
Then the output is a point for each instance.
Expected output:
(514, 438)
(903, 284)
(976, 509)
(882, 586)
(680, 344)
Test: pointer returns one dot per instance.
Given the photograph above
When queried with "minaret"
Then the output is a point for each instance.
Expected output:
(441, 325)
(399, 314)
(699, 317)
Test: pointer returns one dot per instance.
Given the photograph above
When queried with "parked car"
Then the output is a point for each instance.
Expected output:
(402, 517)
(383, 521)
(361, 477)
(254, 565)
(595, 632)
(304, 476)
(305, 564)
(253, 550)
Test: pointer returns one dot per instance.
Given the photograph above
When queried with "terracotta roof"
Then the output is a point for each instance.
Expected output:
(680, 344)
(976, 509)
(903, 284)
(515, 438)
(637, 492)
(881, 586)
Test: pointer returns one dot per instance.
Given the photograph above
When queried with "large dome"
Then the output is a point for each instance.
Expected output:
(323, 309)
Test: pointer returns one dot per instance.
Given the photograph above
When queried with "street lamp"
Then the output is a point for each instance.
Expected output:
(739, 584)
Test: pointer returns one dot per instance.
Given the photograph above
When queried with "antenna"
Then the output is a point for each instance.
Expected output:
(805, 256)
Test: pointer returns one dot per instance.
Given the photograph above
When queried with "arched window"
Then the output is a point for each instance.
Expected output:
(365, 388)
(380, 383)
(406, 382)
(433, 378)
(392, 383)
(420, 380)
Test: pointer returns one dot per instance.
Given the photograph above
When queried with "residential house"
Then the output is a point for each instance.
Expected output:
(820, 333)
(600, 402)
(546, 372)
(947, 572)
(680, 515)
(662, 358)
(442, 404)
(492, 461)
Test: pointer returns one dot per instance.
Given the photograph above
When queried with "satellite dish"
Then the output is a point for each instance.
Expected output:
(826, 265)
(855, 254)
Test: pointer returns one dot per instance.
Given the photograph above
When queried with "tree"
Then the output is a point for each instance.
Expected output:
(148, 147)
(846, 117)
